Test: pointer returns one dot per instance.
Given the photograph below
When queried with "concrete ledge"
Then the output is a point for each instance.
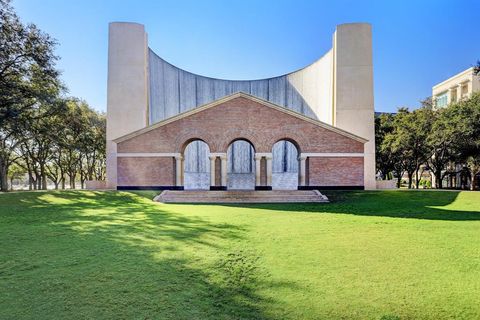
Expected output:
(386, 184)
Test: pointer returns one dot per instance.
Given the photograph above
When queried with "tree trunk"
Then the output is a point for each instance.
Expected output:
(410, 179)
(438, 179)
(81, 179)
(417, 182)
(3, 177)
(473, 184)
(72, 180)
(43, 174)
(63, 182)
(399, 182)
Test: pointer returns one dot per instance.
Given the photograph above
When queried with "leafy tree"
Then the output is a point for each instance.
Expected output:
(15, 172)
(39, 137)
(94, 150)
(407, 141)
(384, 159)
(395, 156)
(72, 139)
(476, 69)
(427, 103)
(27, 70)
(465, 120)
(441, 142)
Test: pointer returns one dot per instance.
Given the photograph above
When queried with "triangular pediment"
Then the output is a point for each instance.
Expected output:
(231, 97)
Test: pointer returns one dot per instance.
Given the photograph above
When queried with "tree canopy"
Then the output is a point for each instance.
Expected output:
(48, 135)
(445, 141)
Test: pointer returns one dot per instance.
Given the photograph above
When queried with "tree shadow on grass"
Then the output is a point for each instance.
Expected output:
(428, 205)
(119, 256)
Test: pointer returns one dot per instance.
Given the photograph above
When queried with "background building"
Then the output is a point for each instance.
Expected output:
(458, 87)
(455, 88)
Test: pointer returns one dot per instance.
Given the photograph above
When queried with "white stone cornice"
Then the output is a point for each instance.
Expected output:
(218, 154)
(263, 154)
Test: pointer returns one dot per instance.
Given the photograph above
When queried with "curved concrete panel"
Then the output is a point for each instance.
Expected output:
(174, 90)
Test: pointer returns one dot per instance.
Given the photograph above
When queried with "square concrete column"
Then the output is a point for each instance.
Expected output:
(223, 159)
(258, 159)
(127, 89)
(212, 170)
(179, 171)
(302, 171)
(459, 92)
(453, 95)
(269, 170)
(469, 89)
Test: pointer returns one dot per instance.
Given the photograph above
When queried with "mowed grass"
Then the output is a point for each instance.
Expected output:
(118, 255)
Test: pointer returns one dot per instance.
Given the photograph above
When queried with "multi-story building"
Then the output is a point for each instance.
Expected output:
(455, 88)
(460, 86)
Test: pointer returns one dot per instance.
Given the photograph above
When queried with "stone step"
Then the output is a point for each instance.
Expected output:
(235, 196)
(244, 192)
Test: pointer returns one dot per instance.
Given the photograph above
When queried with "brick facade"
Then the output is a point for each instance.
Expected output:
(239, 118)
(336, 172)
(146, 171)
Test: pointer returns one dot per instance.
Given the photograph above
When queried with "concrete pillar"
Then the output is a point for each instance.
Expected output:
(353, 89)
(212, 170)
(223, 159)
(179, 171)
(450, 95)
(469, 89)
(302, 171)
(127, 90)
(258, 160)
(269, 170)
(459, 92)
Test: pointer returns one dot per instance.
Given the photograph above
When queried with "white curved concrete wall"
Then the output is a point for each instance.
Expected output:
(172, 90)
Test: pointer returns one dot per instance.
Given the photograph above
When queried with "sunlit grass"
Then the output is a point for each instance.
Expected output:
(118, 255)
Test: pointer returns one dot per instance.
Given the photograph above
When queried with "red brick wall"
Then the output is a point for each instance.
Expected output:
(143, 171)
(240, 118)
(346, 171)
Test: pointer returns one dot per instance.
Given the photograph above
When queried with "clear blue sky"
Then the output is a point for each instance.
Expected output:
(416, 43)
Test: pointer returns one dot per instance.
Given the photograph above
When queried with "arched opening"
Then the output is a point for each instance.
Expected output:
(241, 166)
(284, 166)
(196, 167)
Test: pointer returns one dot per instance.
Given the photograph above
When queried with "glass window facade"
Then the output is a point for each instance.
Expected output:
(442, 100)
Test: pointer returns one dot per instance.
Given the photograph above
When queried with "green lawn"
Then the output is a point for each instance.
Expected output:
(118, 255)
